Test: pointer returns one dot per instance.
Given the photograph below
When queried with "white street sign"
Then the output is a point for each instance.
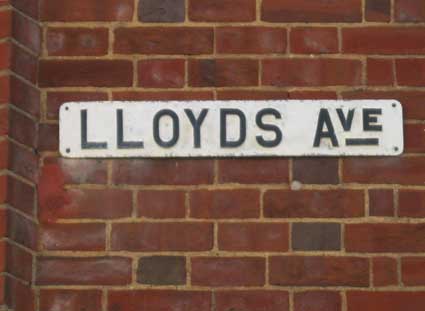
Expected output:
(231, 128)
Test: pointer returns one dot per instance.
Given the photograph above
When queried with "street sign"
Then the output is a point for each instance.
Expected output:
(231, 128)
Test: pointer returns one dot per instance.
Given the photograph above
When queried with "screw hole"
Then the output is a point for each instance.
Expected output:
(394, 105)
(68, 150)
(66, 108)
(396, 149)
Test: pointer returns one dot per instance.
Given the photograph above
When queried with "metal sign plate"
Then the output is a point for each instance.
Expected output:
(231, 128)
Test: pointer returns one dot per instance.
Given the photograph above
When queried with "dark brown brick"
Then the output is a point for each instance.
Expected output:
(319, 271)
(409, 10)
(223, 72)
(162, 270)
(166, 11)
(378, 10)
(316, 171)
(162, 40)
(106, 73)
(381, 202)
(317, 203)
(316, 236)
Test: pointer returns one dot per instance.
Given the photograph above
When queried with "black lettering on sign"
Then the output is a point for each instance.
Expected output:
(224, 142)
(176, 128)
(85, 144)
(346, 121)
(268, 127)
(196, 124)
(121, 143)
(325, 119)
(370, 119)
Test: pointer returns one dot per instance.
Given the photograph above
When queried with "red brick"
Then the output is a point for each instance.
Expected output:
(91, 271)
(161, 204)
(381, 202)
(19, 262)
(412, 269)
(308, 40)
(4, 154)
(4, 121)
(162, 40)
(380, 72)
(5, 55)
(48, 137)
(395, 170)
(410, 71)
(188, 236)
(249, 171)
(389, 301)
(161, 96)
(3, 222)
(56, 99)
(25, 96)
(315, 171)
(86, 10)
(73, 237)
(228, 271)
(311, 72)
(20, 196)
(313, 203)
(317, 300)
(4, 89)
(96, 203)
(223, 72)
(158, 300)
(106, 73)
(409, 10)
(252, 300)
(75, 300)
(251, 95)
(413, 101)
(250, 40)
(22, 230)
(378, 238)
(80, 171)
(383, 40)
(319, 271)
(222, 10)
(223, 204)
(20, 296)
(253, 237)
(312, 95)
(306, 11)
(5, 23)
(384, 271)
(162, 172)
(28, 7)
(23, 162)
(411, 203)
(26, 32)
(3, 189)
(24, 129)
(77, 41)
(414, 138)
(378, 10)
(24, 64)
(162, 73)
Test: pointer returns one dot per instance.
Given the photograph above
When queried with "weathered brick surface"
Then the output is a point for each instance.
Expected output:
(203, 234)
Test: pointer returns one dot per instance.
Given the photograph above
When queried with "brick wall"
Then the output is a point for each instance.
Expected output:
(305, 234)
